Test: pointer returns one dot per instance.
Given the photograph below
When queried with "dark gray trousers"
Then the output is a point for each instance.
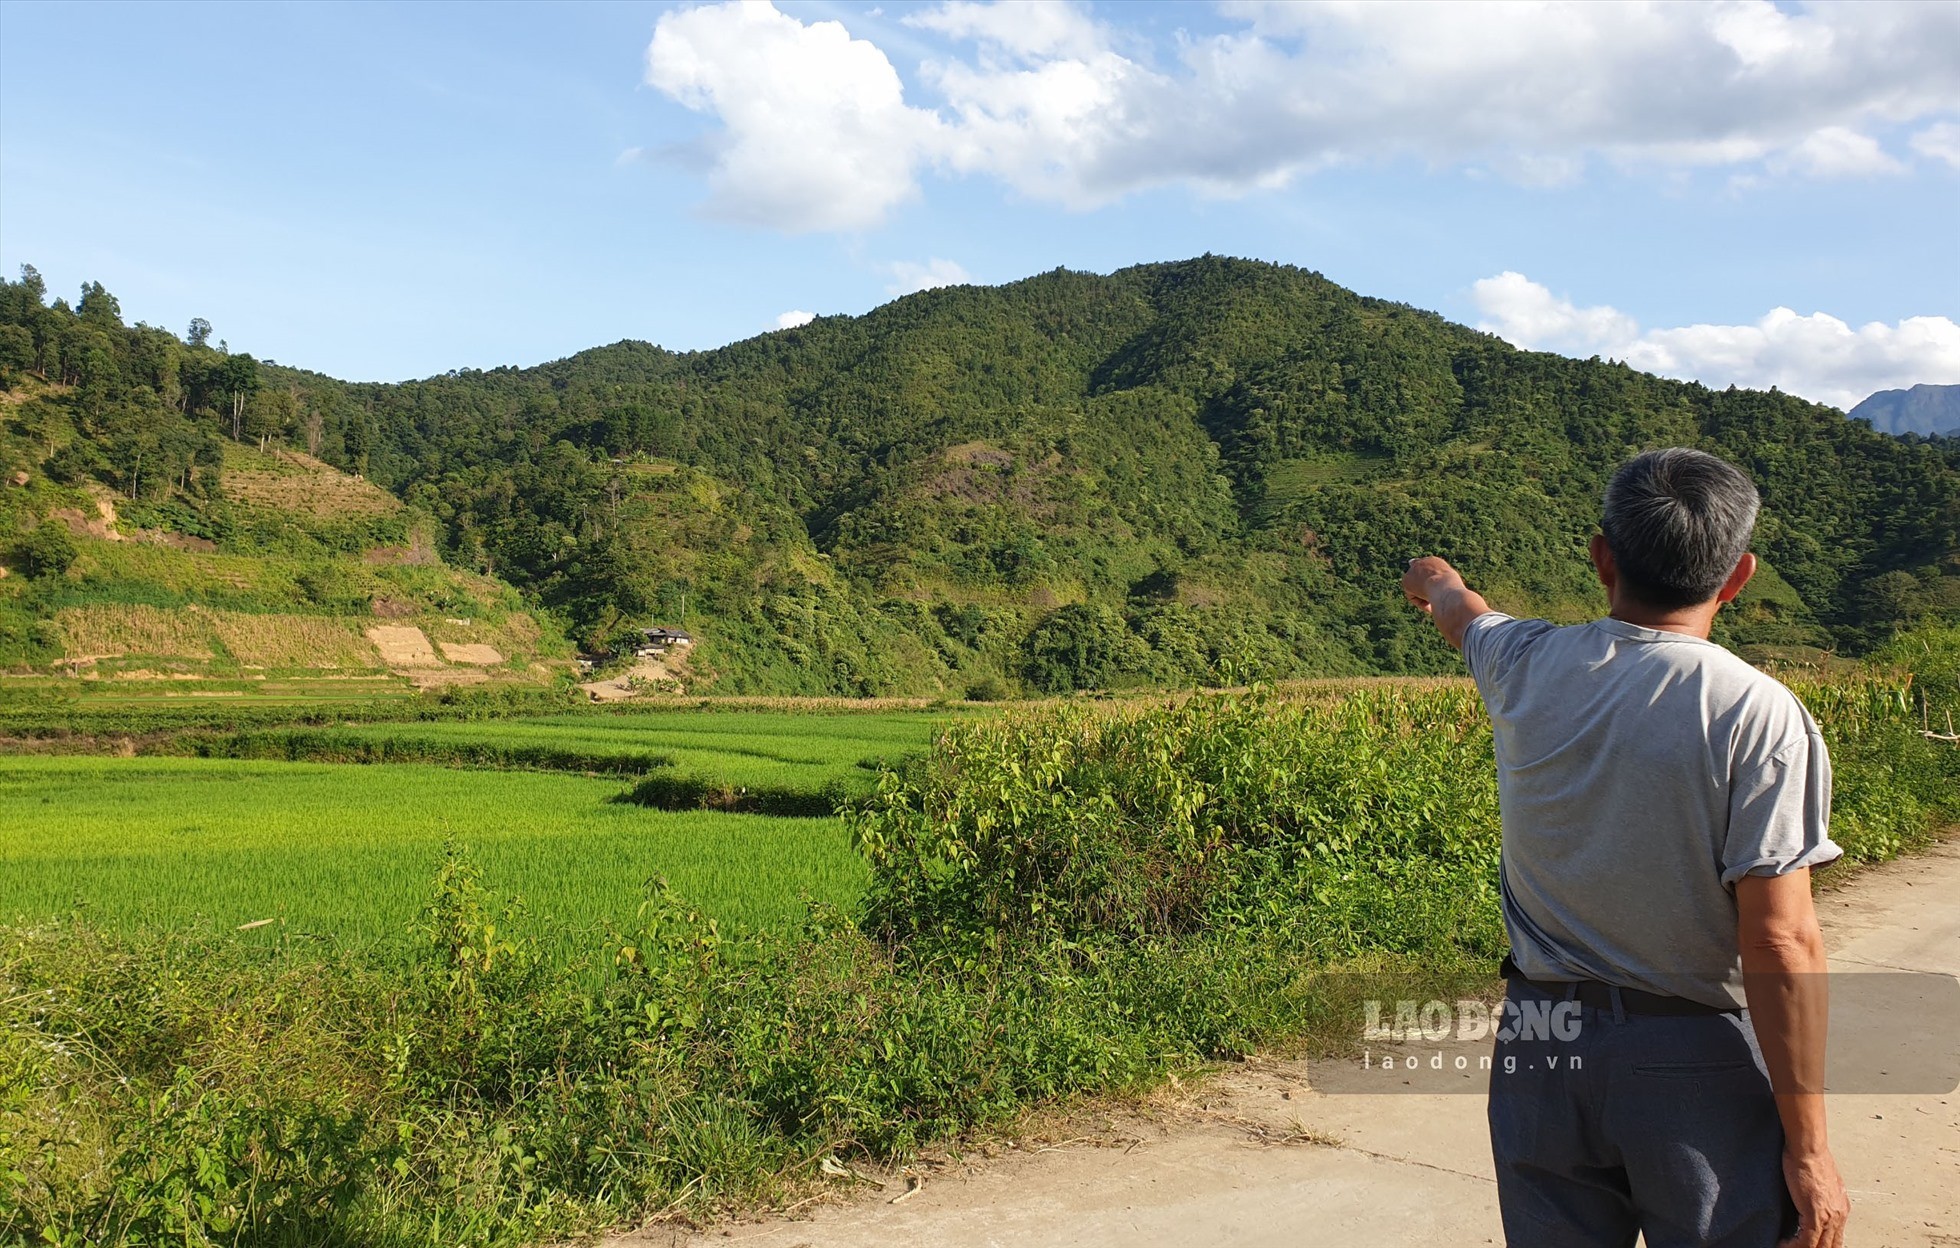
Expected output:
(1606, 1124)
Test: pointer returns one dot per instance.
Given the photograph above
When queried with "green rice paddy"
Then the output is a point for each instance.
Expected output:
(347, 852)
(745, 749)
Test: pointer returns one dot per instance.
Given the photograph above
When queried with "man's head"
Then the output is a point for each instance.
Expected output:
(1678, 523)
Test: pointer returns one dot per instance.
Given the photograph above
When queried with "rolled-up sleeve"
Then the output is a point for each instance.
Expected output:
(1780, 814)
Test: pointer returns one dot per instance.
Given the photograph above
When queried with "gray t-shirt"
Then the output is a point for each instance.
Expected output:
(1641, 774)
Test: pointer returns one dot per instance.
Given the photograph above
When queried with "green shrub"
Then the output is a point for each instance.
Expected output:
(48, 550)
(1081, 647)
(1073, 825)
(989, 689)
(330, 745)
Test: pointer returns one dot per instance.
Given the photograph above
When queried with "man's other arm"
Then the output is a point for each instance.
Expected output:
(1783, 976)
(1433, 585)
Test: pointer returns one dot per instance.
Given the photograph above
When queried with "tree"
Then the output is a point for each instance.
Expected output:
(1892, 600)
(358, 440)
(312, 425)
(99, 307)
(100, 379)
(237, 379)
(1081, 647)
(16, 352)
(30, 281)
(47, 551)
(19, 301)
(42, 421)
(155, 362)
(199, 334)
(269, 413)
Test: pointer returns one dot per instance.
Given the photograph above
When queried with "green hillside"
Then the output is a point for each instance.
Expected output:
(143, 547)
(1176, 474)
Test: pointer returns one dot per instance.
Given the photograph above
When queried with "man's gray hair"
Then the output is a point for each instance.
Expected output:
(1677, 522)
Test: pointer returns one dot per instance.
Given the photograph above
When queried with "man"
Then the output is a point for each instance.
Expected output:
(1664, 804)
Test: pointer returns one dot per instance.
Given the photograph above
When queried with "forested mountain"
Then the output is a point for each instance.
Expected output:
(1925, 410)
(1178, 473)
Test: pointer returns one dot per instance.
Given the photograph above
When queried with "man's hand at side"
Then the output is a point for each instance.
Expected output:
(1783, 974)
(1434, 586)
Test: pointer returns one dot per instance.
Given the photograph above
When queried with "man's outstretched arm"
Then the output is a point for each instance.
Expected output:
(1433, 585)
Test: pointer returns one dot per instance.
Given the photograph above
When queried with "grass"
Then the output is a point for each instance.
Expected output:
(347, 852)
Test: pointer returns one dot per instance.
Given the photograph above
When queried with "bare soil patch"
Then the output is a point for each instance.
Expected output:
(466, 652)
(178, 541)
(645, 676)
(418, 553)
(86, 526)
(403, 645)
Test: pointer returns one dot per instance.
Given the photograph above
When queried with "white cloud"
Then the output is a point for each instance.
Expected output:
(1837, 152)
(1819, 357)
(1941, 142)
(1521, 311)
(816, 132)
(909, 276)
(794, 317)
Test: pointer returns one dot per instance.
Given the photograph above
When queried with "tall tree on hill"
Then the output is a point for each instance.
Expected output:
(269, 413)
(238, 377)
(98, 307)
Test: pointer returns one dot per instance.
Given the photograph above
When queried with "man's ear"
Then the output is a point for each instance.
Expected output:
(1745, 568)
(1602, 561)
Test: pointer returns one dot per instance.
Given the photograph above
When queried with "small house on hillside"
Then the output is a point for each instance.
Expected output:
(658, 641)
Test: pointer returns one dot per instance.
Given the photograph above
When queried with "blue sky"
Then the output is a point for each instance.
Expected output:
(382, 192)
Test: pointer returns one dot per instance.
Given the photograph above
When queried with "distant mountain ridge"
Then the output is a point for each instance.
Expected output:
(1922, 409)
(1197, 472)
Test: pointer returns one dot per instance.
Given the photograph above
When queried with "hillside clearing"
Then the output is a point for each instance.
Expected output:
(284, 480)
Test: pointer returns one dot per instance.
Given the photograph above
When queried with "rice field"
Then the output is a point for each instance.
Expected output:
(785, 752)
(324, 848)
(349, 852)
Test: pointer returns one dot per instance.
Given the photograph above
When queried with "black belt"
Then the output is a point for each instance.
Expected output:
(1600, 996)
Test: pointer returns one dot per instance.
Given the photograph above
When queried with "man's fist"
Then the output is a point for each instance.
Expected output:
(1422, 579)
(1433, 586)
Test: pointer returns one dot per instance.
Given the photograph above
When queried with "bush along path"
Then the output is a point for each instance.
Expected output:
(1280, 1153)
(1061, 903)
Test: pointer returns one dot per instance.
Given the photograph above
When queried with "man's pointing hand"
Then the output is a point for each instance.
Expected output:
(1433, 586)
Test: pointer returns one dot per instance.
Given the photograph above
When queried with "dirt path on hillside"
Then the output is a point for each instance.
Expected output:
(636, 681)
(1256, 1157)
